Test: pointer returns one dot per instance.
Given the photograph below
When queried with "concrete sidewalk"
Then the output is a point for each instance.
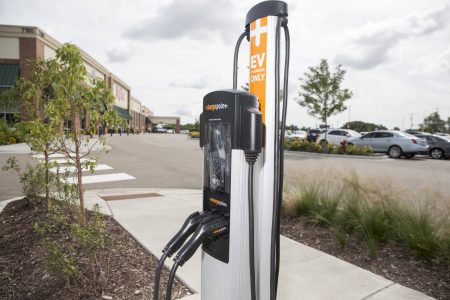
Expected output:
(305, 273)
(22, 148)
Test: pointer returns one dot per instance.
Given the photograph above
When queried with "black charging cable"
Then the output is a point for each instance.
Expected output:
(279, 154)
(236, 56)
(212, 227)
(189, 226)
(251, 158)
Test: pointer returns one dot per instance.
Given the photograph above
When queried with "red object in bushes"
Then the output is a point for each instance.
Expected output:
(344, 144)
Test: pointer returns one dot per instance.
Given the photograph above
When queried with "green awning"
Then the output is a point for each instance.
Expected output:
(122, 112)
(8, 75)
(8, 105)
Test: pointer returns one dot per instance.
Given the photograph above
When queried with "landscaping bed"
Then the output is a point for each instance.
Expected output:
(342, 149)
(392, 262)
(24, 259)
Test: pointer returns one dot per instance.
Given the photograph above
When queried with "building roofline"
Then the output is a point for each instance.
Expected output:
(133, 98)
(117, 78)
(36, 32)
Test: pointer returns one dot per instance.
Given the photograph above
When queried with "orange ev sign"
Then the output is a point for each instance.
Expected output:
(258, 57)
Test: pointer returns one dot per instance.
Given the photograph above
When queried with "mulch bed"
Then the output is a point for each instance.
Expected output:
(22, 263)
(392, 262)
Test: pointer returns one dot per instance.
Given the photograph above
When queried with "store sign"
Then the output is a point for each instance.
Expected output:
(121, 95)
(93, 73)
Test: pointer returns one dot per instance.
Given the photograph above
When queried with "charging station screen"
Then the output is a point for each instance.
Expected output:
(218, 157)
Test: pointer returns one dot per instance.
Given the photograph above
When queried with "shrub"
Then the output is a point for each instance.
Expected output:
(419, 230)
(301, 145)
(32, 179)
(74, 250)
(194, 134)
(347, 206)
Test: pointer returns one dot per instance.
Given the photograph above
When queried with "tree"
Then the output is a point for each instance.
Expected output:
(75, 96)
(191, 127)
(433, 123)
(36, 93)
(321, 91)
(361, 126)
(396, 128)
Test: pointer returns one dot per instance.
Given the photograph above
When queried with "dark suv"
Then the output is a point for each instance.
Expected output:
(312, 134)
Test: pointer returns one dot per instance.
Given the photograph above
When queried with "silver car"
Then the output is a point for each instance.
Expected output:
(394, 143)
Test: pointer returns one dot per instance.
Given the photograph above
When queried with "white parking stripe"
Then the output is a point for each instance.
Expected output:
(102, 178)
(55, 155)
(64, 169)
(62, 161)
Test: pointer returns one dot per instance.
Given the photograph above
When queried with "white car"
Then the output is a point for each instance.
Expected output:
(184, 131)
(336, 136)
(298, 134)
(394, 143)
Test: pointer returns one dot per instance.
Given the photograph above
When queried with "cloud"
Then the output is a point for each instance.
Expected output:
(118, 53)
(194, 84)
(433, 65)
(184, 111)
(369, 46)
(201, 19)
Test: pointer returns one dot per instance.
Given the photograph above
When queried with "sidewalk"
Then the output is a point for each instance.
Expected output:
(22, 148)
(305, 273)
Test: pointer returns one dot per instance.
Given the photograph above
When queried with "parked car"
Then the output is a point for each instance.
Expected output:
(184, 131)
(312, 134)
(443, 135)
(393, 143)
(438, 146)
(336, 136)
(159, 130)
(298, 134)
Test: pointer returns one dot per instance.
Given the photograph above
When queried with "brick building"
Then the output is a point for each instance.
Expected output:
(137, 115)
(18, 44)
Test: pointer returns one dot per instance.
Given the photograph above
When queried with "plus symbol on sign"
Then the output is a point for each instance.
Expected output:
(257, 31)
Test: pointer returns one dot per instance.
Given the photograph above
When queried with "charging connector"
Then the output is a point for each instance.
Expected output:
(212, 227)
(189, 226)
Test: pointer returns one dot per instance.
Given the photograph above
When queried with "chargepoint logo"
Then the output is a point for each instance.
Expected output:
(214, 107)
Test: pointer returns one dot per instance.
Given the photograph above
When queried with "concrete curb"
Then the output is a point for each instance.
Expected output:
(345, 156)
(3, 203)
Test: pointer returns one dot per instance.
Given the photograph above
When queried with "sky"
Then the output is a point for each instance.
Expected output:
(172, 53)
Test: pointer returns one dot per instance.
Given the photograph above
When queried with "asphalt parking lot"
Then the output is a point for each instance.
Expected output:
(175, 161)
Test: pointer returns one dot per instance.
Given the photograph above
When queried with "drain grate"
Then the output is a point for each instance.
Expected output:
(129, 196)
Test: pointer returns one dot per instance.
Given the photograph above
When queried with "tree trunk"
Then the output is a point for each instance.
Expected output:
(76, 139)
(79, 178)
(47, 179)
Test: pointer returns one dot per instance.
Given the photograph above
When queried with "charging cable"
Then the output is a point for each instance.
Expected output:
(279, 153)
(212, 227)
(236, 56)
(189, 226)
(251, 158)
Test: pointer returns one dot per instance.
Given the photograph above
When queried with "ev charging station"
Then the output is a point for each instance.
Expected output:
(242, 136)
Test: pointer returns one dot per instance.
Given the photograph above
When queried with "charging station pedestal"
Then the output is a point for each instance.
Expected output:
(239, 227)
(230, 126)
(230, 280)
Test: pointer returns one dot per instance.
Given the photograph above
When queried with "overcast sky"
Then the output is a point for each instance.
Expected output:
(172, 53)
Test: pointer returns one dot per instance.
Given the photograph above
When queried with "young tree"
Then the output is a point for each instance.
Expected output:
(39, 130)
(76, 97)
(321, 91)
